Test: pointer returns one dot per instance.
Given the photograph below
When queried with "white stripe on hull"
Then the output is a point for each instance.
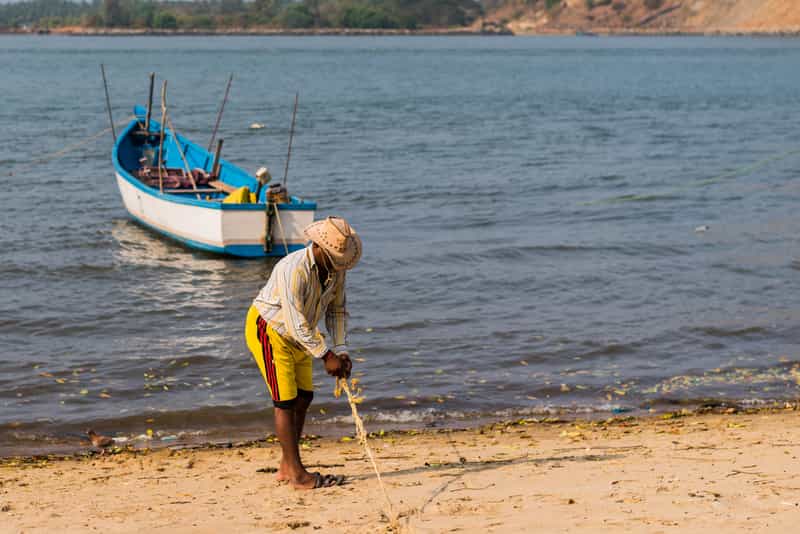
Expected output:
(215, 227)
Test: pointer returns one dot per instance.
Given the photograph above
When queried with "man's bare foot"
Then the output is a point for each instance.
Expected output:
(305, 481)
(283, 473)
(317, 480)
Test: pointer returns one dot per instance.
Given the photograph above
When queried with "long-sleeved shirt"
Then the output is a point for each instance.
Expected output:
(293, 300)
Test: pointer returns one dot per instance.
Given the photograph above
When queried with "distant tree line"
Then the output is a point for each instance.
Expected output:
(220, 14)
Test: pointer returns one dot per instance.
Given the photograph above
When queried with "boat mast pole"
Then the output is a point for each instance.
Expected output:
(161, 137)
(215, 165)
(149, 103)
(291, 136)
(219, 113)
(108, 102)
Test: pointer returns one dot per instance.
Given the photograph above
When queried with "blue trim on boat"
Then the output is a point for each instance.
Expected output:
(242, 251)
(295, 204)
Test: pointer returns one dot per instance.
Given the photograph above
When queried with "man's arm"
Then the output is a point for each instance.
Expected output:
(336, 318)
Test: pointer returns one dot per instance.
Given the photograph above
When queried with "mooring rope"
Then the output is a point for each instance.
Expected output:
(749, 168)
(361, 433)
(57, 154)
(280, 227)
(707, 181)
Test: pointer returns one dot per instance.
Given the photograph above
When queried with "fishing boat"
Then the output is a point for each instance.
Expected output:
(187, 193)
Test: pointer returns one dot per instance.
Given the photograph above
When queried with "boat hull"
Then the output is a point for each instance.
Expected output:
(209, 224)
(234, 232)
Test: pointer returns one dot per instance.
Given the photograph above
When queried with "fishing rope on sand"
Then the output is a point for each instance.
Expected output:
(361, 433)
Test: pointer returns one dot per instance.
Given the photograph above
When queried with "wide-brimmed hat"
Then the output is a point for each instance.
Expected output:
(338, 239)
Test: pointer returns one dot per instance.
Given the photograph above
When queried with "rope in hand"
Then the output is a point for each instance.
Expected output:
(361, 433)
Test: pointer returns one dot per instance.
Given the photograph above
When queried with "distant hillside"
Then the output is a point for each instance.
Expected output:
(619, 16)
(142, 16)
(403, 16)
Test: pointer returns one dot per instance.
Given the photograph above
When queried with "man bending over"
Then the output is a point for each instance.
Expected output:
(283, 335)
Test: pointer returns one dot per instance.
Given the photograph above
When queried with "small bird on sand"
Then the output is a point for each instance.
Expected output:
(98, 440)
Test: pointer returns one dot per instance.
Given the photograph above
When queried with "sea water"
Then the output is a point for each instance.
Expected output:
(552, 225)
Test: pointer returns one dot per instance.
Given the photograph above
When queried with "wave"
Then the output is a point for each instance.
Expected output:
(653, 197)
(719, 331)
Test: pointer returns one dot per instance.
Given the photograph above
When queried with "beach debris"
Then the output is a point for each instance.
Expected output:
(267, 470)
(257, 126)
(294, 525)
(705, 493)
(98, 440)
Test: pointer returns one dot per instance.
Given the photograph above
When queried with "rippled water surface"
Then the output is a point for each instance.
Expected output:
(560, 225)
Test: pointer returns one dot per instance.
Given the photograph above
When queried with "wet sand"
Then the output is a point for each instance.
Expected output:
(731, 473)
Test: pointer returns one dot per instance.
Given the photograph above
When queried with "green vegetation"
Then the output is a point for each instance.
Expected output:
(653, 4)
(213, 14)
(45, 13)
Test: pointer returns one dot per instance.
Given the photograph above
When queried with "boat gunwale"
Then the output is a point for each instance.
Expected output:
(297, 204)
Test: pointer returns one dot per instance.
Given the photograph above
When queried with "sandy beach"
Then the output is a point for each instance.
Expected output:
(672, 473)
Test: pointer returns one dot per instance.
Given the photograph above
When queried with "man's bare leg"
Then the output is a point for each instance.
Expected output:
(300, 410)
(291, 467)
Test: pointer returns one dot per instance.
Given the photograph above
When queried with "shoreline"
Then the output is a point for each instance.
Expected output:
(248, 439)
(661, 473)
(432, 32)
(69, 441)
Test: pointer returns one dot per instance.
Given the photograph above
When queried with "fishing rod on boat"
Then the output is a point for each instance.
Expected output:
(149, 104)
(215, 165)
(219, 113)
(291, 136)
(161, 136)
(108, 102)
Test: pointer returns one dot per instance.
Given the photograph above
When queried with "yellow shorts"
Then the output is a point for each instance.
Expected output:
(285, 367)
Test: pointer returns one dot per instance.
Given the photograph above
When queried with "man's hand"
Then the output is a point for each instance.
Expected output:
(338, 365)
(348, 365)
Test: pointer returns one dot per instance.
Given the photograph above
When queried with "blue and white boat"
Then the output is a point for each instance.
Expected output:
(193, 196)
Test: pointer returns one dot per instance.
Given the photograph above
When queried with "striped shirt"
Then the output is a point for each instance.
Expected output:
(293, 300)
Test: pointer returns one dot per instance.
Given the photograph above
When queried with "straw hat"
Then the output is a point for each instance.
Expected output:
(338, 239)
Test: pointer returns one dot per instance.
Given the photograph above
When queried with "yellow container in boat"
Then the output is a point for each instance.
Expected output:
(240, 196)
